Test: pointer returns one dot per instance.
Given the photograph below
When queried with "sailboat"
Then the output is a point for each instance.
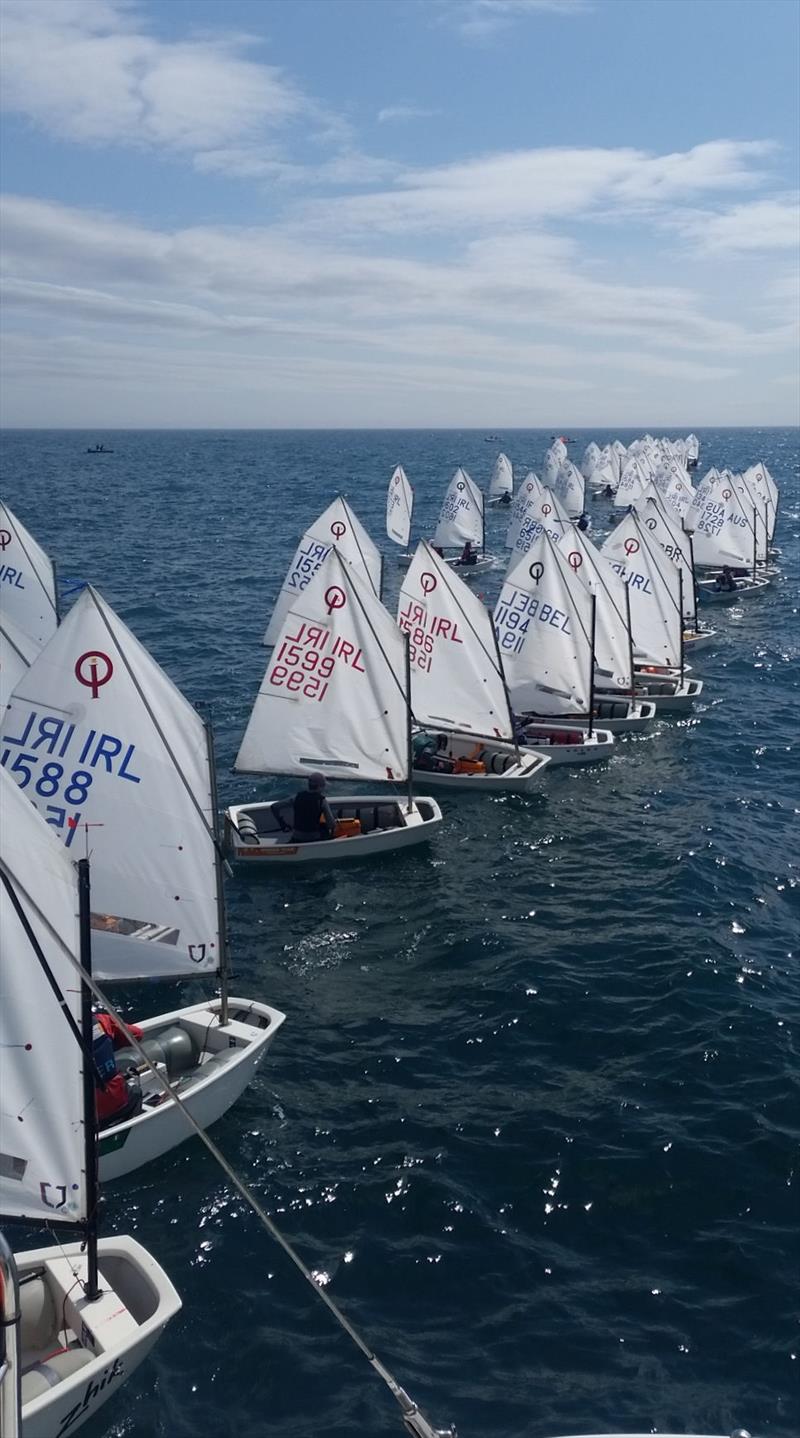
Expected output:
(106, 747)
(501, 483)
(723, 535)
(654, 592)
(399, 507)
(545, 629)
(529, 491)
(90, 1310)
(17, 653)
(338, 525)
(28, 597)
(665, 529)
(461, 522)
(458, 690)
(569, 489)
(334, 699)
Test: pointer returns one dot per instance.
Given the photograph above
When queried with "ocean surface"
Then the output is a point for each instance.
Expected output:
(534, 1114)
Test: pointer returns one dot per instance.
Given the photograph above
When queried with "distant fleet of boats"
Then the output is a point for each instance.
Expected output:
(584, 643)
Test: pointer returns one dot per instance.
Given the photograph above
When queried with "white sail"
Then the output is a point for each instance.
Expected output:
(456, 679)
(461, 515)
(674, 487)
(336, 525)
(502, 480)
(664, 528)
(42, 1176)
(97, 735)
(654, 588)
(549, 509)
(612, 649)
(631, 483)
(27, 581)
(569, 489)
(692, 445)
(605, 473)
(537, 519)
(17, 653)
(591, 456)
(553, 459)
(333, 696)
(530, 489)
(720, 531)
(399, 507)
(760, 477)
(543, 625)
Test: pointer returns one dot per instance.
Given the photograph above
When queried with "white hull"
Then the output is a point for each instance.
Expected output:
(105, 1340)
(620, 716)
(668, 695)
(570, 746)
(503, 773)
(745, 589)
(483, 565)
(273, 844)
(693, 642)
(228, 1059)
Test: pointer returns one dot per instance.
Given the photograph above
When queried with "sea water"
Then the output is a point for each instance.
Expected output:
(533, 1116)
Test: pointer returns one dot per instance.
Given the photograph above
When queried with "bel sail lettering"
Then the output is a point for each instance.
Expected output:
(89, 673)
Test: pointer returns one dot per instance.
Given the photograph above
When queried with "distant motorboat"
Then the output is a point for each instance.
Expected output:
(99, 449)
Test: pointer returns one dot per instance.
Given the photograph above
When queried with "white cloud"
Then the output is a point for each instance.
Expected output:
(87, 70)
(403, 113)
(483, 19)
(769, 224)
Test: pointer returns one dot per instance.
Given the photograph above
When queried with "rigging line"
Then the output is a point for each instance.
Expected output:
(353, 522)
(5, 879)
(662, 574)
(415, 1421)
(160, 732)
(14, 646)
(445, 573)
(39, 579)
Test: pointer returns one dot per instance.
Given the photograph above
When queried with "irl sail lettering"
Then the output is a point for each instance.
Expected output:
(631, 578)
(301, 665)
(423, 629)
(8, 575)
(306, 563)
(57, 764)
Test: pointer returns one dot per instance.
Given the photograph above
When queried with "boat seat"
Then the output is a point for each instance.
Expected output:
(38, 1321)
(51, 1370)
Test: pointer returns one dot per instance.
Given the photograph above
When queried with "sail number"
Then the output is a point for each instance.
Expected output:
(306, 563)
(423, 629)
(301, 667)
(513, 615)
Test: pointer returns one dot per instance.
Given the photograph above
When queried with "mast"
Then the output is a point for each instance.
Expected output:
(92, 1287)
(222, 918)
(55, 591)
(755, 541)
(680, 602)
(591, 665)
(501, 671)
(694, 576)
(630, 639)
(409, 722)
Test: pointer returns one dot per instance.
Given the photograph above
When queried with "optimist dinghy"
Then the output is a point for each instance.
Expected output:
(28, 599)
(336, 525)
(748, 588)
(98, 737)
(501, 483)
(458, 689)
(334, 699)
(461, 523)
(569, 745)
(399, 507)
(89, 1311)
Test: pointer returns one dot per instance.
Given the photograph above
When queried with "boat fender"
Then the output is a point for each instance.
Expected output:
(174, 1047)
(51, 1371)
(246, 829)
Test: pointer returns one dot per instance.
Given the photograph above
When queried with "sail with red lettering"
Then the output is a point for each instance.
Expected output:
(333, 698)
(543, 623)
(399, 507)
(42, 1142)
(654, 591)
(27, 581)
(461, 515)
(117, 762)
(336, 525)
(456, 678)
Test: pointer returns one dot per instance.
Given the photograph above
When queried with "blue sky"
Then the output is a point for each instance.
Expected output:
(400, 212)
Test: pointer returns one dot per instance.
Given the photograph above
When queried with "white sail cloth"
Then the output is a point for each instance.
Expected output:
(27, 581)
(612, 646)
(17, 653)
(461, 515)
(97, 735)
(591, 456)
(553, 460)
(569, 489)
(456, 678)
(502, 478)
(530, 489)
(333, 696)
(543, 623)
(336, 525)
(399, 507)
(654, 589)
(42, 1176)
(720, 531)
(664, 528)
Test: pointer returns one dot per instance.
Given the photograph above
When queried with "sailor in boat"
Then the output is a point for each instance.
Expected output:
(117, 1096)
(468, 555)
(314, 818)
(725, 581)
(584, 522)
(608, 492)
(505, 498)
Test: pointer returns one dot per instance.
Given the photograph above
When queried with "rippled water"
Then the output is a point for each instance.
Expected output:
(534, 1111)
